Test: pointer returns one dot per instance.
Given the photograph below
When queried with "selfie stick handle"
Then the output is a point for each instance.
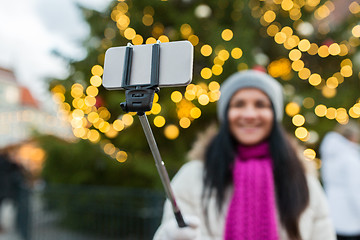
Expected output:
(161, 169)
(139, 99)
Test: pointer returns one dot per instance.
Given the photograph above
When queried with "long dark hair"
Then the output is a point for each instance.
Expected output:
(292, 194)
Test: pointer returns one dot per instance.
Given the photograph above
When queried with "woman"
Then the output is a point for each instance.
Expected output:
(251, 184)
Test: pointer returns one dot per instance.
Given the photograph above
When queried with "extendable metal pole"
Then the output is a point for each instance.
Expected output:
(161, 168)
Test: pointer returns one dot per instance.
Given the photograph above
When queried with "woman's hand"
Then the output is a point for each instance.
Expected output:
(192, 232)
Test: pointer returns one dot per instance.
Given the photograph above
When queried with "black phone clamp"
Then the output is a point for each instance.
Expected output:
(139, 98)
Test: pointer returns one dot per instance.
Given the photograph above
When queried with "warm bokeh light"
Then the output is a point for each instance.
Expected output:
(310, 153)
(298, 120)
(171, 131)
(292, 109)
(121, 156)
(206, 50)
(159, 121)
(184, 122)
(320, 110)
(176, 96)
(206, 73)
(236, 53)
(227, 35)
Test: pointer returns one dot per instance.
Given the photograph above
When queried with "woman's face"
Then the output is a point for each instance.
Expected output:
(250, 116)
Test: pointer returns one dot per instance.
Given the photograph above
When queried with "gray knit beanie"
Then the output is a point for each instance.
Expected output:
(251, 79)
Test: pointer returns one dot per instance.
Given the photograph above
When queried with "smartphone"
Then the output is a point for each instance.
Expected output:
(175, 69)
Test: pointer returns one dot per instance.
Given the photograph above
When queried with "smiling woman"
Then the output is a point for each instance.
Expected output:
(250, 183)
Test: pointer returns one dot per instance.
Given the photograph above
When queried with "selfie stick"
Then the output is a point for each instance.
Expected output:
(139, 98)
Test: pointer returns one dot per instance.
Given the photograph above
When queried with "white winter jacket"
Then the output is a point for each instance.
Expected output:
(341, 177)
(315, 223)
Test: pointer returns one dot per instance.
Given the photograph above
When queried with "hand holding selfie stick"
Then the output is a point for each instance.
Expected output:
(139, 98)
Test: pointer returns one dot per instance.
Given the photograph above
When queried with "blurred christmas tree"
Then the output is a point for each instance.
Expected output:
(310, 46)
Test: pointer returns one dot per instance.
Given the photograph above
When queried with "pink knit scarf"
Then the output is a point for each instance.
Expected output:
(252, 211)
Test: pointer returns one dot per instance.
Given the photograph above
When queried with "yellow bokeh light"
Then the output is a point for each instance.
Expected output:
(356, 31)
(184, 122)
(353, 113)
(269, 16)
(93, 136)
(121, 156)
(129, 33)
(323, 51)
(332, 82)
(164, 39)
(304, 45)
(104, 127)
(118, 125)
(137, 40)
(320, 110)
(301, 132)
(315, 79)
(203, 99)
(78, 114)
(156, 108)
(127, 119)
(292, 109)
(334, 49)
(354, 8)
(304, 73)
(159, 121)
(295, 55)
(331, 113)
(171, 132)
(298, 120)
(217, 69)
(214, 86)
(176, 96)
(328, 92)
(280, 37)
(341, 115)
(122, 21)
(194, 40)
(77, 90)
(310, 153)
(218, 61)
(195, 112)
(185, 30)
(206, 73)
(150, 40)
(272, 30)
(97, 70)
(95, 81)
(297, 65)
(313, 50)
(206, 50)
(346, 71)
(227, 34)
(92, 91)
(287, 30)
(93, 117)
(236, 53)
(223, 55)
(287, 5)
(109, 148)
(90, 101)
(190, 95)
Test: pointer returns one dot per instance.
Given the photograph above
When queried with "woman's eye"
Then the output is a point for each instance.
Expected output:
(262, 104)
(237, 104)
